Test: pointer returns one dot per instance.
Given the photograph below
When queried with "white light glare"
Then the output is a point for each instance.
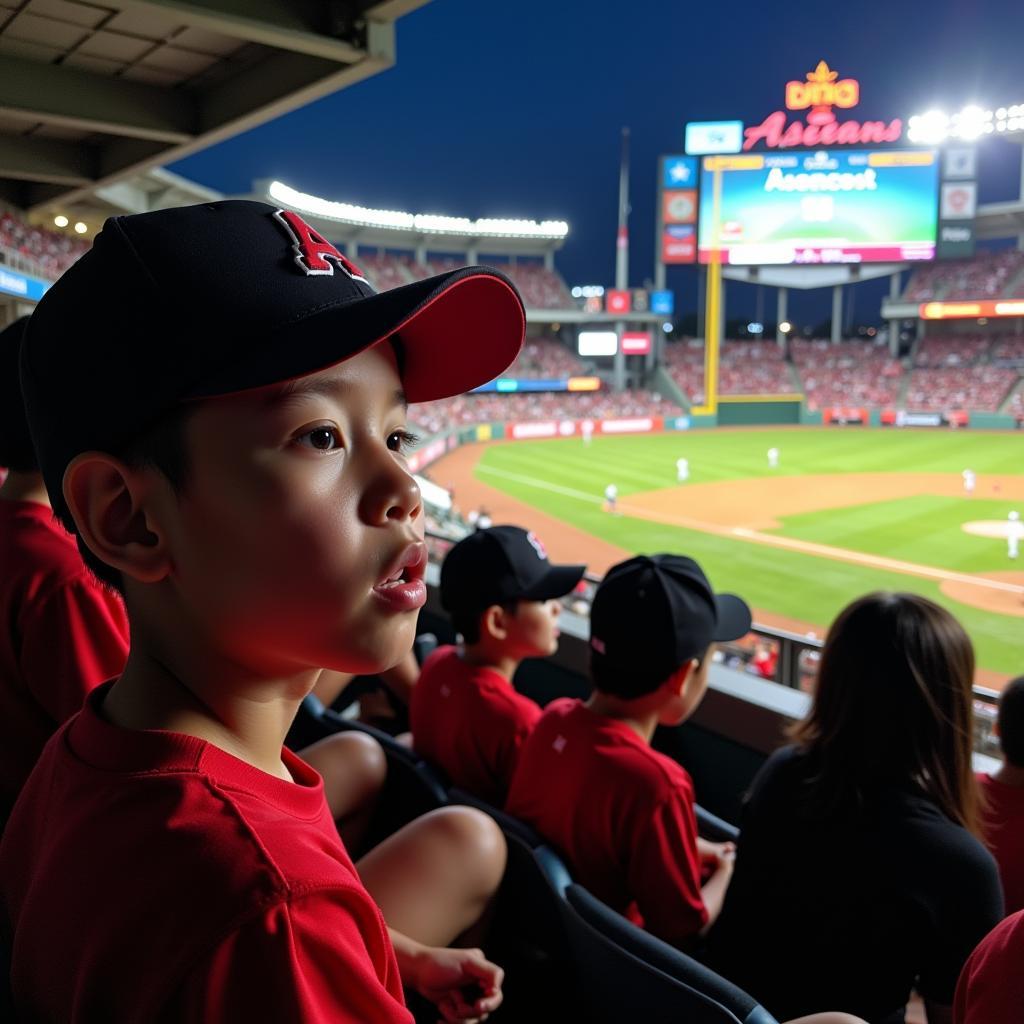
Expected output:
(81, 227)
(970, 122)
(928, 128)
(428, 223)
(60, 220)
(785, 327)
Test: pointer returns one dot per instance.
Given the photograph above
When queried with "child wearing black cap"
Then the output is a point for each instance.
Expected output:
(588, 780)
(224, 432)
(63, 633)
(501, 592)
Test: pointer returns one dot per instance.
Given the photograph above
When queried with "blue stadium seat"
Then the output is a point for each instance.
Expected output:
(628, 974)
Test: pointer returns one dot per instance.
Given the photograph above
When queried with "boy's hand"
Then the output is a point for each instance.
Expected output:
(462, 983)
(716, 853)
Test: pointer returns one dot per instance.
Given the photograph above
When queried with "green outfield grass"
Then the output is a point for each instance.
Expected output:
(566, 480)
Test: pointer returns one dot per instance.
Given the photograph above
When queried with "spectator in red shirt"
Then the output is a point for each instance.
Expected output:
(588, 780)
(235, 464)
(991, 985)
(467, 719)
(63, 633)
(1002, 818)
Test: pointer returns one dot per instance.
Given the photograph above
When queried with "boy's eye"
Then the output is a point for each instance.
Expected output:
(321, 439)
(402, 441)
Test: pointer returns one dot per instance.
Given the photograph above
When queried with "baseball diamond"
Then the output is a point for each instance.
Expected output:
(846, 511)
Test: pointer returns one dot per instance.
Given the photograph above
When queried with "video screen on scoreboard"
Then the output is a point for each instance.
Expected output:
(824, 207)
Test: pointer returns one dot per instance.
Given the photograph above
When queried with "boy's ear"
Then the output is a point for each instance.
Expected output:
(493, 622)
(112, 508)
(682, 675)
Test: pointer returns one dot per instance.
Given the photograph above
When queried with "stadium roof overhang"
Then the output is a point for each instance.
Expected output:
(94, 93)
(1000, 220)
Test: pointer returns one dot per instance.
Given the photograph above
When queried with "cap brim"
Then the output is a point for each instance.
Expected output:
(733, 617)
(558, 581)
(458, 330)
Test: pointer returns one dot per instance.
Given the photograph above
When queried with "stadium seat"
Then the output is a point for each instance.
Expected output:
(6, 996)
(713, 828)
(629, 974)
(527, 933)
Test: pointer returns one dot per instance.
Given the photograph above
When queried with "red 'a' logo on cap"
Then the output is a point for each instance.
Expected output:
(313, 253)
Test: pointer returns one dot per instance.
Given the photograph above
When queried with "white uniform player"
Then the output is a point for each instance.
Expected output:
(611, 495)
(587, 429)
(969, 481)
(773, 458)
(682, 470)
(1014, 534)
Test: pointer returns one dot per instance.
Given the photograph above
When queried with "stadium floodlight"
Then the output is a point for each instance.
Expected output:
(424, 223)
(81, 227)
(785, 327)
(60, 220)
(969, 124)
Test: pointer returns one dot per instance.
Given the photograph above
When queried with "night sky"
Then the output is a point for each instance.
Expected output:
(516, 110)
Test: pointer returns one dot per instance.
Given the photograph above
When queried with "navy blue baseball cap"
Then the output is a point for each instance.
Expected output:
(204, 301)
(502, 564)
(653, 613)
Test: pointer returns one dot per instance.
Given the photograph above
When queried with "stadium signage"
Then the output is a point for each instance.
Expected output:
(820, 95)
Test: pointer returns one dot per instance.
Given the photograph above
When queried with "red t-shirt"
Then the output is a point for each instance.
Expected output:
(991, 986)
(149, 876)
(1003, 826)
(620, 812)
(471, 723)
(62, 633)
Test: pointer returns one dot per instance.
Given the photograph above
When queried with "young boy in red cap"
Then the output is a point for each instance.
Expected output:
(63, 632)
(467, 718)
(588, 780)
(227, 445)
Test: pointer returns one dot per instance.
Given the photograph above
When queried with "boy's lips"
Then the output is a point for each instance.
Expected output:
(403, 588)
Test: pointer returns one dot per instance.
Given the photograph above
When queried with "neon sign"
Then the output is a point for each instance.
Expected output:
(820, 94)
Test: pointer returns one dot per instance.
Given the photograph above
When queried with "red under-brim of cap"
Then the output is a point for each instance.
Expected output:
(458, 330)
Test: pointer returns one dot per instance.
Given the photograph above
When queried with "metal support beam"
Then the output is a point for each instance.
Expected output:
(781, 315)
(97, 103)
(297, 25)
(837, 314)
(51, 160)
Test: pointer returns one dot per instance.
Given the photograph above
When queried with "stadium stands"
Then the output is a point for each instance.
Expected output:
(957, 350)
(745, 368)
(541, 288)
(985, 276)
(978, 388)
(465, 410)
(853, 373)
(52, 252)
(544, 358)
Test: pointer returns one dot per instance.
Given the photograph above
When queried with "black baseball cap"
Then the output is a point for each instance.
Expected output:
(652, 613)
(208, 300)
(16, 451)
(502, 564)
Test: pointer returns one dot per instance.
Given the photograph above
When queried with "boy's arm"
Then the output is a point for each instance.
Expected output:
(73, 639)
(462, 983)
(312, 960)
(714, 889)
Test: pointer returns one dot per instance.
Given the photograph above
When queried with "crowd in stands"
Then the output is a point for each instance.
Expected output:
(545, 359)
(744, 368)
(541, 288)
(987, 275)
(979, 388)
(851, 373)
(948, 351)
(433, 417)
(52, 251)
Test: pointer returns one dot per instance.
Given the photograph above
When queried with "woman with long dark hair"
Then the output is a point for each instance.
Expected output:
(859, 876)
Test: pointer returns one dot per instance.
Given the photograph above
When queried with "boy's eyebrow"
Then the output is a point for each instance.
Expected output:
(302, 387)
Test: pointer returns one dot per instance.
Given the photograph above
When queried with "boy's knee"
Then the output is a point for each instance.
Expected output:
(475, 839)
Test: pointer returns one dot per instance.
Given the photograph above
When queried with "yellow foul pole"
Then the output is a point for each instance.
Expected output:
(713, 303)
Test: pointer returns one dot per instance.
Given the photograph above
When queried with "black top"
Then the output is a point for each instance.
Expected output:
(850, 914)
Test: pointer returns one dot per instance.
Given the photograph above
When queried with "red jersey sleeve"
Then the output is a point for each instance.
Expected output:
(510, 744)
(310, 961)
(664, 871)
(73, 639)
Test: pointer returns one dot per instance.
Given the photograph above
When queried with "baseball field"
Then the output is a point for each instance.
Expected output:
(845, 511)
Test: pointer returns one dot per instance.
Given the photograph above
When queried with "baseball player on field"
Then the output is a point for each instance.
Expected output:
(1014, 533)
(682, 470)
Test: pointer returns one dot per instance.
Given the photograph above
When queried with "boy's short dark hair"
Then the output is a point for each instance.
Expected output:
(16, 449)
(1011, 722)
(651, 615)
